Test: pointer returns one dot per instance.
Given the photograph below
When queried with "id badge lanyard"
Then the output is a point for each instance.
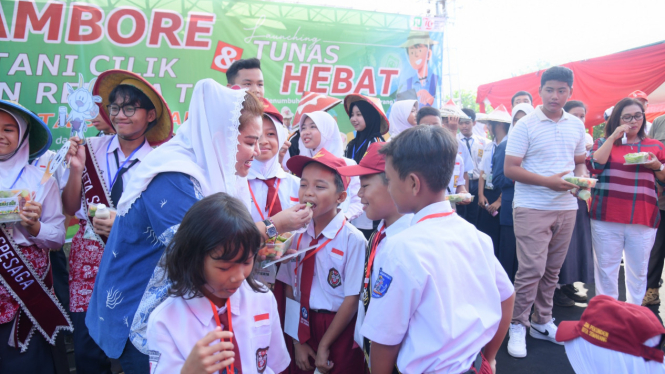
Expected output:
(111, 181)
(372, 254)
(310, 254)
(256, 204)
(231, 368)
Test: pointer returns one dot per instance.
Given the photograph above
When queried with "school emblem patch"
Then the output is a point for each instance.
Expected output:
(334, 278)
(261, 359)
(303, 313)
(480, 153)
(382, 284)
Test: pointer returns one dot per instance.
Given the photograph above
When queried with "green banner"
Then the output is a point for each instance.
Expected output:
(174, 44)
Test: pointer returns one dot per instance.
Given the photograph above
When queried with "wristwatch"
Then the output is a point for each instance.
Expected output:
(271, 231)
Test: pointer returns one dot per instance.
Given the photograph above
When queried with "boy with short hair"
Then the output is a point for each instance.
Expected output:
(446, 293)
(325, 280)
(476, 146)
(378, 205)
(246, 73)
(543, 147)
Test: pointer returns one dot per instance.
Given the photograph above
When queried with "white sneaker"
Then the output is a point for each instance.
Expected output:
(544, 332)
(517, 340)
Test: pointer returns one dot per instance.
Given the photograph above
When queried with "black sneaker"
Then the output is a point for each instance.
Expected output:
(560, 299)
(572, 293)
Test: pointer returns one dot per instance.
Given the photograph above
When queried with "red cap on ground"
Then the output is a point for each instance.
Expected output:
(617, 326)
(372, 163)
(637, 94)
(297, 163)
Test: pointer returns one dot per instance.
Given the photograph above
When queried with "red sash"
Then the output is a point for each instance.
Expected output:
(94, 188)
(39, 310)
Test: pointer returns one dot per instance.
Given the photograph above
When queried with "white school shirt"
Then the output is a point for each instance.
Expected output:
(52, 231)
(438, 293)
(488, 153)
(398, 226)
(457, 179)
(338, 271)
(287, 194)
(177, 324)
(99, 145)
(477, 145)
(546, 148)
(352, 208)
(463, 152)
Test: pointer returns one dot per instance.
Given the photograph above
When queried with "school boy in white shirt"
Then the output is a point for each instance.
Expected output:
(378, 205)
(326, 280)
(440, 296)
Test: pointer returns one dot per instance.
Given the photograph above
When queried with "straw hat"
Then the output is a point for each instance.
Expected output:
(418, 37)
(40, 135)
(110, 79)
(314, 102)
(373, 101)
(451, 110)
(500, 114)
(286, 112)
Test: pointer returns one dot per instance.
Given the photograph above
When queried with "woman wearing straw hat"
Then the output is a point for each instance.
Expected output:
(489, 196)
(30, 315)
(100, 171)
(212, 152)
(370, 122)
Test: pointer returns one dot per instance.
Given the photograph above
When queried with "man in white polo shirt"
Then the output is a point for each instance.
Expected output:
(543, 147)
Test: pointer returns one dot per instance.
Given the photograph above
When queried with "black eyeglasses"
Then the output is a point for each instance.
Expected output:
(638, 117)
(128, 110)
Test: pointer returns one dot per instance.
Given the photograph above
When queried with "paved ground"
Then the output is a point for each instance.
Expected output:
(546, 357)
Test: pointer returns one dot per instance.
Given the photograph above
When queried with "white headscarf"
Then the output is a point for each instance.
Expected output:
(11, 168)
(330, 138)
(269, 169)
(204, 147)
(521, 107)
(399, 113)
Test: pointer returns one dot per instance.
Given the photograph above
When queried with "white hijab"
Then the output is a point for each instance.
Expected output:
(521, 107)
(11, 168)
(330, 138)
(399, 113)
(204, 147)
(269, 169)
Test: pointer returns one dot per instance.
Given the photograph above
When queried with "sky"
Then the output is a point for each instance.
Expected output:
(492, 40)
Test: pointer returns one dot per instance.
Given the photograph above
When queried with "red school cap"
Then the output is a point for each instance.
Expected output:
(297, 163)
(372, 163)
(617, 326)
(637, 94)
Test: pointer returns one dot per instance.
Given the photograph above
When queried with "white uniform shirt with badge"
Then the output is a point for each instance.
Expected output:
(338, 271)
(438, 293)
(398, 226)
(177, 324)
(457, 179)
(101, 154)
(477, 145)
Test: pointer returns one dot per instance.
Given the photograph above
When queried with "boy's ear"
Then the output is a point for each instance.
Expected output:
(342, 197)
(415, 183)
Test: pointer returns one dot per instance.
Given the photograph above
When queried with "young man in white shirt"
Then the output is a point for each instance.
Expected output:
(476, 146)
(440, 296)
(543, 147)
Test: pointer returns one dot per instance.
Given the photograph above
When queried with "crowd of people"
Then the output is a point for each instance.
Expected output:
(255, 242)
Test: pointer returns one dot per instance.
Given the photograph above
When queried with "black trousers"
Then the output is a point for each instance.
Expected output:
(38, 359)
(471, 211)
(89, 357)
(657, 255)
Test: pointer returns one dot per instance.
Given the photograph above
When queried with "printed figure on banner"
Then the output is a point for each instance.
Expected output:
(83, 107)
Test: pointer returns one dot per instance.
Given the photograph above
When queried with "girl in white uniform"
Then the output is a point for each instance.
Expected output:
(218, 317)
(26, 295)
(318, 130)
